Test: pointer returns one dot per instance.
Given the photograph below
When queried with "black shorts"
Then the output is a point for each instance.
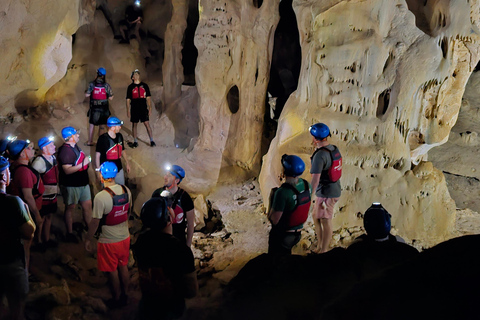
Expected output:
(48, 208)
(139, 114)
(99, 116)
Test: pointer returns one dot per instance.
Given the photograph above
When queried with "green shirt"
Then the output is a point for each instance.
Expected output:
(284, 199)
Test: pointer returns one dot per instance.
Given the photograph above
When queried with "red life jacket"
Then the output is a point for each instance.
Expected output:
(99, 92)
(334, 172)
(139, 93)
(302, 206)
(114, 151)
(37, 188)
(121, 205)
(80, 157)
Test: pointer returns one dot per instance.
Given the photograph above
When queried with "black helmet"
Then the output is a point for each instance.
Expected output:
(377, 221)
(154, 213)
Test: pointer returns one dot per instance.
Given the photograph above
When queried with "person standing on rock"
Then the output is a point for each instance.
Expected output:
(26, 181)
(100, 93)
(166, 266)
(110, 147)
(326, 170)
(182, 204)
(139, 107)
(73, 179)
(290, 206)
(111, 207)
(16, 226)
(46, 164)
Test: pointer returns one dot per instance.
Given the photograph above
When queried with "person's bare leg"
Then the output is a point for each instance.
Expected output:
(134, 131)
(26, 246)
(17, 307)
(149, 130)
(90, 134)
(318, 231)
(69, 217)
(115, 283)
(38, 232)
(101, 129)
(47, 223)
(124, 277)
(87, 211)
(327, 234)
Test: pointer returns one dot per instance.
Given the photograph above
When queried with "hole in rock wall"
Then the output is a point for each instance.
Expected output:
(257, 3)
(233, 99)
(286, 59)
(444, 46)
(189, 51)
(418, 10)
(383, 101)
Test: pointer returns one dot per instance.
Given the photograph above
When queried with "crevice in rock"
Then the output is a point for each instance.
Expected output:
(233, 99)
(189, 51)
(383, 102)
(462, 176)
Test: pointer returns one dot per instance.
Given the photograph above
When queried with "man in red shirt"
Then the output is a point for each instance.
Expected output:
(26, 181)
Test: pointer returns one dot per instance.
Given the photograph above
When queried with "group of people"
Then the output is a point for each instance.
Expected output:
(29, 186)
(290, 203)
(138, 103)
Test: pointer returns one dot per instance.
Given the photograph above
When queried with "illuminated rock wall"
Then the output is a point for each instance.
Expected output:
(388, 80)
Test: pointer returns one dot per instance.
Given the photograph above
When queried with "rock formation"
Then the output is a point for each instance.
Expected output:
(387, 77)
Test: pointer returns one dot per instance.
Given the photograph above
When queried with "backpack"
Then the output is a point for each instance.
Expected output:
(335, 171)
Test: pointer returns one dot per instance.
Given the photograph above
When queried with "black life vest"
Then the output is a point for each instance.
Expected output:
(334, 172)
(121, 206)
(49, 177)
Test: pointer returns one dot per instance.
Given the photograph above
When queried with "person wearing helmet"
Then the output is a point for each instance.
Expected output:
(26, 181)
(172, 263)
(326, 168)
(47, 166)
(139, 107)
(16, 226)
(289, 209)
(100, 93)
(130, 26)
(110, 147)
(378, 248)
(73, 179)
(111, 207)
(182, 204)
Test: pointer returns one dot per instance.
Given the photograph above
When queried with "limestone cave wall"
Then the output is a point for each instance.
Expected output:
(387, 77)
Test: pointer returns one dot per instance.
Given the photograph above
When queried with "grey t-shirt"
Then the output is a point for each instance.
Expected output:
(321, 162)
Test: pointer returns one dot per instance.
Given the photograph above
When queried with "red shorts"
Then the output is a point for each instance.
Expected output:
(112, 255)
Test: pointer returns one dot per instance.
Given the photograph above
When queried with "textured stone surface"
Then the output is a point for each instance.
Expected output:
(389, 90)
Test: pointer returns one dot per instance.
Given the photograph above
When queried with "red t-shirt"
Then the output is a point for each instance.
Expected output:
(23, 177)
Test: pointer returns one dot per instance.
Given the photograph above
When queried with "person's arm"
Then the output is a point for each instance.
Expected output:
(149, 105)
(315, 182)
(190, 226)
(274, 216)
(97, 164)
(69, 169)
(30, 201)
(190, 285)
(124, 156)
(27, 230)
(92, 228)
(128, 108)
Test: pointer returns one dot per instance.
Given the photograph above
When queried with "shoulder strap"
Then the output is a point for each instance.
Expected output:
(110, 191)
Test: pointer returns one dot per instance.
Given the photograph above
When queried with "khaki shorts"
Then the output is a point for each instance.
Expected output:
(324, 208)
(74, 195)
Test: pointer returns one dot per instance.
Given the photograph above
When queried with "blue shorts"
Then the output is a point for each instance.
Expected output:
(14, 280)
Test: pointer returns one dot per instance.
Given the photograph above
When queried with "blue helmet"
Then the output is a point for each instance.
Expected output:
(67, 132)
(177, 172)
(45, 141)
(377, 221)
(154, 213)
(293, 165)
(108, 170)
(319, 131)
(4, 164)
(16, 147)
(101, 71)
(114, 121)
